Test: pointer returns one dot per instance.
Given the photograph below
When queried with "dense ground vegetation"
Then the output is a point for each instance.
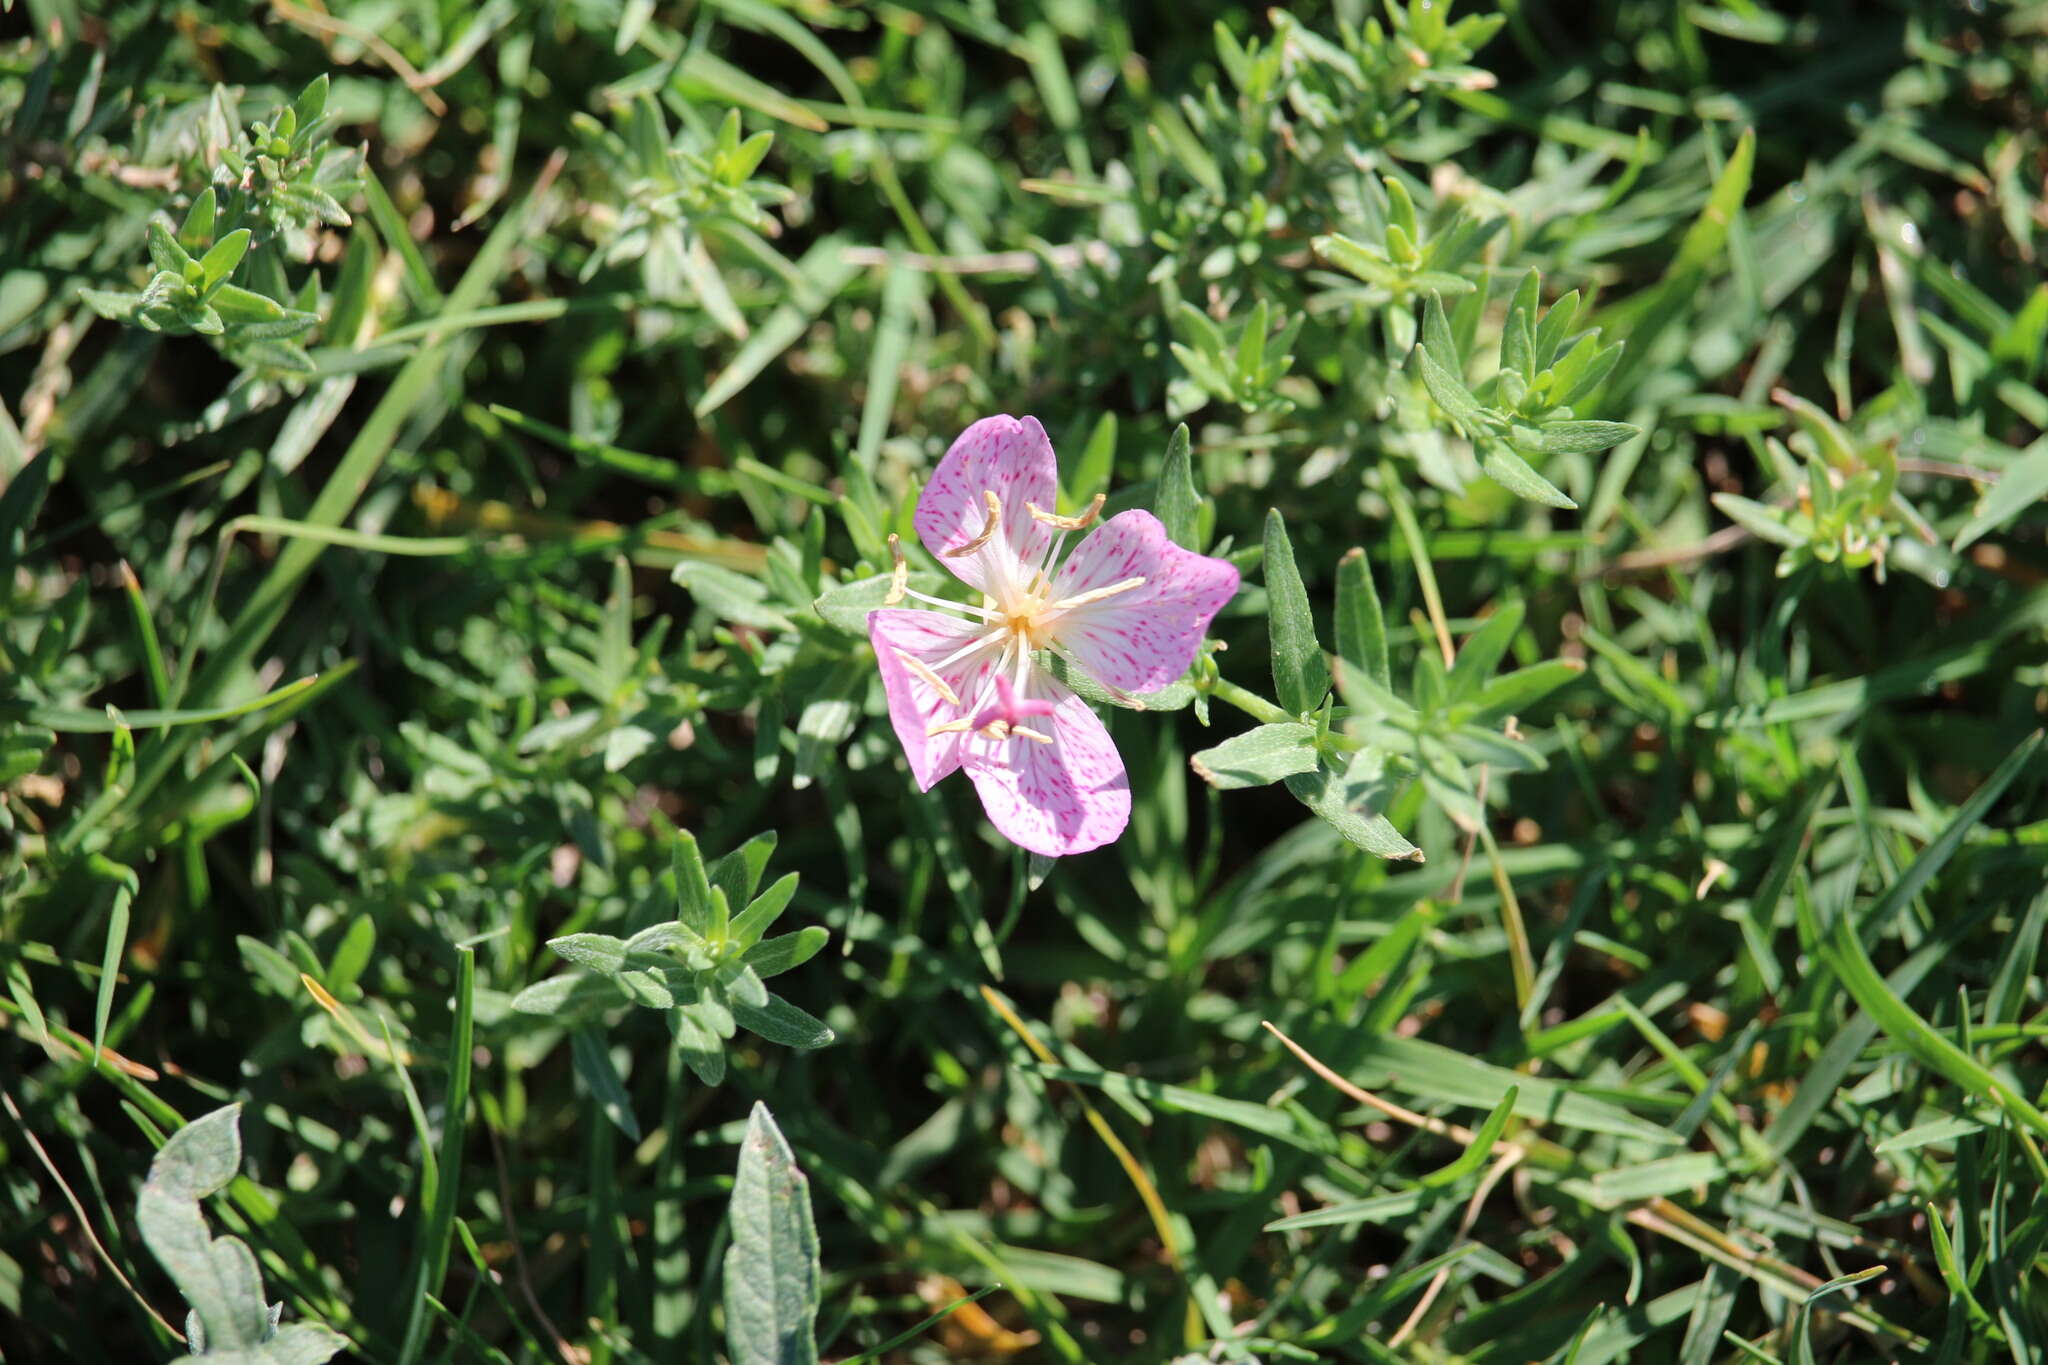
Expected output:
(447, 456)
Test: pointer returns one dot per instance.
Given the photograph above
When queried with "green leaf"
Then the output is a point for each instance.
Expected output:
(774, 956)
(762, 912)
(164, 252)
(1513, 473)
(220, 261)
(731, 596)
(826, 272)
(2023, 484)
(694, 907)
(79, 720)
(1843, 951)
(1583, 438)
(739, 872)
(699, 1042)
(1176, 502)
(229, 1320)
(1415, 1066)
(845, 606)
(597, 952)
(1259, 756)
(1451, 395)
(1357, 259)
(593, 1063)
(1483, 650)
(1438, 337)
(781, 1022)
(771, 1268)
(1518, 334)
(1361, 626)
(1351, 801)
(241, 306)
(1802, 1339)
(1480, 1150)
(1513, 693)
(1705, 238)
(1555, 327)
(1301, 675)
(1759, 519)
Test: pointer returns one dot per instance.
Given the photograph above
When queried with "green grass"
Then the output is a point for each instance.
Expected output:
(1588, 908)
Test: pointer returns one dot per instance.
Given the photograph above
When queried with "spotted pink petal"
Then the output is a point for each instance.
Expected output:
(1142, 639)
(914, 704)
(1013, 459)
(1064, 797)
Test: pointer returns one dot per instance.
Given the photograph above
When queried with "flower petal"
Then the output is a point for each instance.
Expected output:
(1064, 797)
(1013, 459)
(914, 704)
(1144, 638)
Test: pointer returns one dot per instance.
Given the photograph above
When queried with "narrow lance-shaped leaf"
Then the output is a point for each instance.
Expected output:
(1513, 473)
(1361, 625)
(1176, 502)
(1301, 675)
(771, 1269)
(1261, 755)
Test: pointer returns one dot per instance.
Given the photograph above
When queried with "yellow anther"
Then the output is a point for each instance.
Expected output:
(1067, 523)
(1097, 594)
(899, 574)
(946, 727)
(1019, 732)
(932, 680)
(988, 530)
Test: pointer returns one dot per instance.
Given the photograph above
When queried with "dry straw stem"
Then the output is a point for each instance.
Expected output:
(1658, 1214)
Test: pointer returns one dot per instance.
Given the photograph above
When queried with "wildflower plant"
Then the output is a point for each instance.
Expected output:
(1128, 609)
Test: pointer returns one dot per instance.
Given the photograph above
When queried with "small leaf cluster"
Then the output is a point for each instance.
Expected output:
(190, 294)
(1524, 412)
(274, 183)
(1347, 763)
(1368, 82)
(1346, 784)
(635, 702)
(1410, 260)
(285, 173)
(705, 969)
(1843, 505)
(676, 194)
(1242, 369)
(1456, 720)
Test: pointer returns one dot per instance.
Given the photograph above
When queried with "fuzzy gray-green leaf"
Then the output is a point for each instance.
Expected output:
(771, 1268)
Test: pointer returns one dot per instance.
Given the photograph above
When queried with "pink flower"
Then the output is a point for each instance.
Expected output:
(1128, 607)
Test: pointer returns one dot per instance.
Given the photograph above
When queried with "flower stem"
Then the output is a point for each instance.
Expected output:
(1251, 703)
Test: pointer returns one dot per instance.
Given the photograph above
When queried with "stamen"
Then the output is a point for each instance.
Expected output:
(932, 680)
(1019, 732)
(978, 643)
(899, 574)
(1068, 523)
(983, 612)
(988, 530)
(1041, 582)
(1097, 595)
(945, 727)
(995, 729)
